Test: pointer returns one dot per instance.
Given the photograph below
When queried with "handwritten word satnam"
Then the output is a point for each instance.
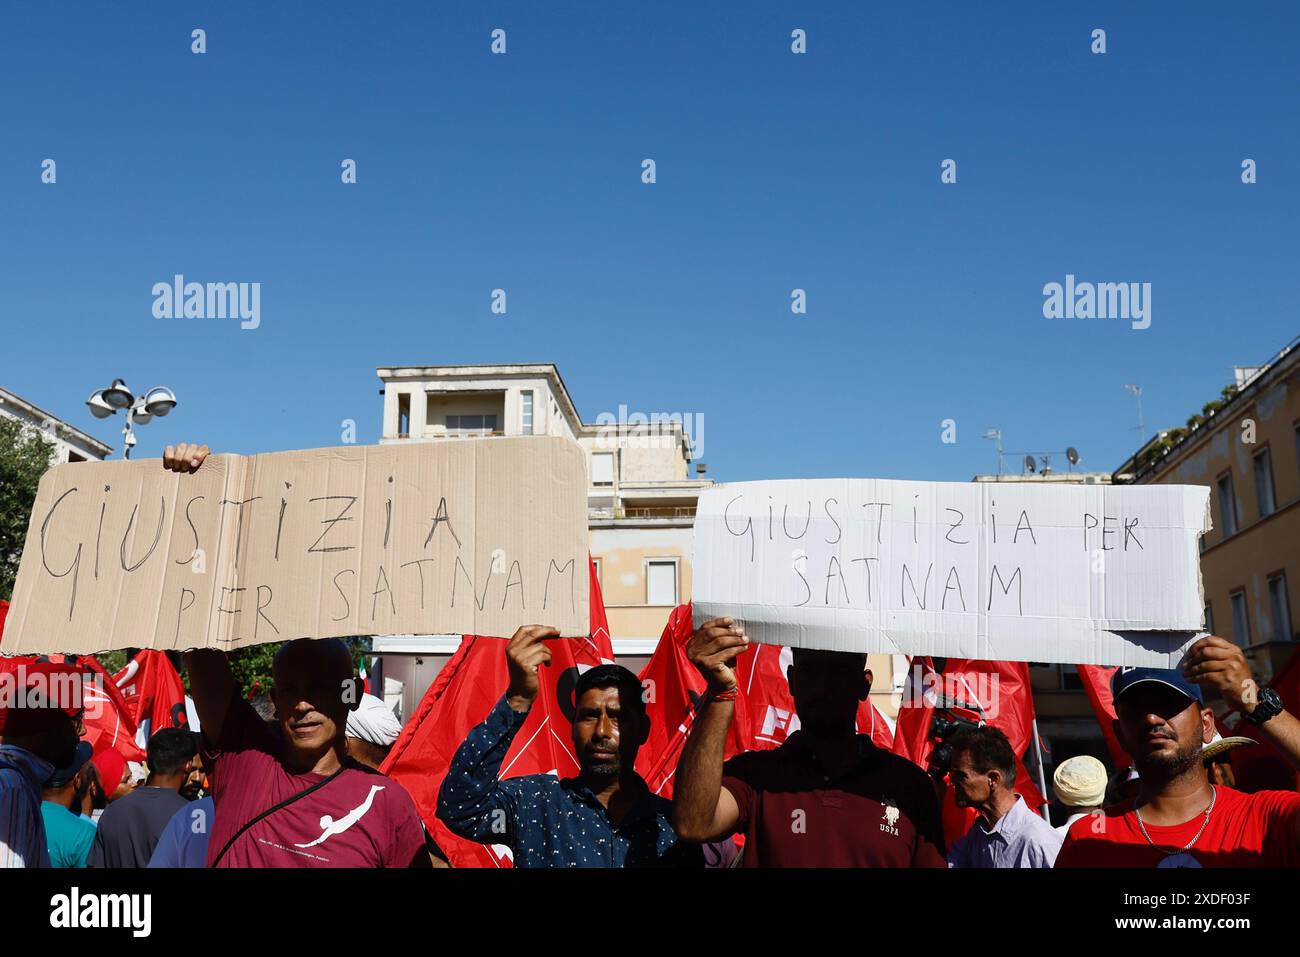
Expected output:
(1070, 573)
(453, 537)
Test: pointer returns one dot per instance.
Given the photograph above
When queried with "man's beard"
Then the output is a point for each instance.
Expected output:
(606, 769)
(1170, 766)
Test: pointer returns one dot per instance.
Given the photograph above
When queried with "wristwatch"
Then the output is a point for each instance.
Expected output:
(1269, 706)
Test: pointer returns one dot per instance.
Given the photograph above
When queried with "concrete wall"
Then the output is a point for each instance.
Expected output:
(623, 553)
(491, 394)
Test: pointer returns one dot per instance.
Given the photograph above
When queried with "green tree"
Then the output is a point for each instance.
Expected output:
(251, 666)
(25, 454)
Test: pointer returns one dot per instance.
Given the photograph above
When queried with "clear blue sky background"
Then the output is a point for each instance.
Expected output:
(775, 171)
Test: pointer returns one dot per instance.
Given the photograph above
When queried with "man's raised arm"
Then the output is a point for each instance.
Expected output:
(703, 810)
(212, 686)
(211, 682)
(472, 801)
(1217, 663)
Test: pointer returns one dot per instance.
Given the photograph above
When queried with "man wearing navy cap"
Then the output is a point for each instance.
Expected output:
(1179, 819)
(69, 794)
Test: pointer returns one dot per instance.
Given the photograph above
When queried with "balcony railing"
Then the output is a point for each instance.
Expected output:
(462, 433)
(634, 512)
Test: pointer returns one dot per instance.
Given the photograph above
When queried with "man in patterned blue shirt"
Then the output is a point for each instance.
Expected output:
(605, 817)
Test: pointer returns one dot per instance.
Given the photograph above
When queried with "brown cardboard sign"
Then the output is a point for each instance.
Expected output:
(475, 536)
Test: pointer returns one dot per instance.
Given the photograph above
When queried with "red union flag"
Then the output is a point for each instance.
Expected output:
(466, 689)
(673, 689)
(153, 692)
(996, 692)
(107, 718)
(763, 674)
(1096, 685)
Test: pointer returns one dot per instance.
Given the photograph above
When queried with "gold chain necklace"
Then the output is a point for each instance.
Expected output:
(1214, 796)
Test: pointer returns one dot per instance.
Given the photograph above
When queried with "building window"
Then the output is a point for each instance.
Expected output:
(1240, 619)
(1209, 618)
(526, 413)
(403, 414)
(1227, 505)
(472, 424)
(1070, 680)
(1279, 603)
(661, 583)
(602, 469)
(1264, 483)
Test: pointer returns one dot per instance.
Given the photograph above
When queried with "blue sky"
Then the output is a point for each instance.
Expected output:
(775, 171)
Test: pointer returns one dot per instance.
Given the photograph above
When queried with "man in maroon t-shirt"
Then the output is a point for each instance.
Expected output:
(359, 818)
(827, 797)
(1180, 819)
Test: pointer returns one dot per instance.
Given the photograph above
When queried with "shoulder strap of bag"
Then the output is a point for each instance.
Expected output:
(271, 810)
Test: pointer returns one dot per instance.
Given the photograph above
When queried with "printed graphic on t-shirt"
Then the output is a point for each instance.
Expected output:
(330, 827)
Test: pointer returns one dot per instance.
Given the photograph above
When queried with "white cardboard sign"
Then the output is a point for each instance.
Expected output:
(1082, 574)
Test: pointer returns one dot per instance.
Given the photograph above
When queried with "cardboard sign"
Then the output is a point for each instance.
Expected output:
(1089, 574)
(452, 537)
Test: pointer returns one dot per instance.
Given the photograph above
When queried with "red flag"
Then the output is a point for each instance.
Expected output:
(107, 718)
(673, 690)
(1096, 685)
(153, 692)
(466, 689)
(996, 692)
(875, 724)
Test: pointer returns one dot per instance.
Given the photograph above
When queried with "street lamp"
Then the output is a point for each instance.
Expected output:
(140, 410)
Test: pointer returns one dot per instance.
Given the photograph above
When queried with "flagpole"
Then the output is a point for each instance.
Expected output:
(1042, 775)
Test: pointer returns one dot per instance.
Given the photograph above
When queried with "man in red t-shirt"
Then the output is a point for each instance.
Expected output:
(359, 818)
(1179, 818)
(827, 797)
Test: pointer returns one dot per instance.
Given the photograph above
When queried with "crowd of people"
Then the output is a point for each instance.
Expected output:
(293, 779)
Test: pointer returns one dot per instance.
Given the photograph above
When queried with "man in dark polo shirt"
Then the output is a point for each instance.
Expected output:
(827, 797)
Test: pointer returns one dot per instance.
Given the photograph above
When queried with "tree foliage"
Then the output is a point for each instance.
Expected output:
(25, 454)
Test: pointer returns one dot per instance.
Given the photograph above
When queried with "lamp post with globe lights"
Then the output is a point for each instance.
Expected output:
(140, 410)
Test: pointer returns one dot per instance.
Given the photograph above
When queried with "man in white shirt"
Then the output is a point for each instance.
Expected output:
(1007, 832)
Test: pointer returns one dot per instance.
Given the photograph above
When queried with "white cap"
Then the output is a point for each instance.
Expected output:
(1080, 782)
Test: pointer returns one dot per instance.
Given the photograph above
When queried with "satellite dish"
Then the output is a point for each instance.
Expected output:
(1030, 465)
(1073, 455)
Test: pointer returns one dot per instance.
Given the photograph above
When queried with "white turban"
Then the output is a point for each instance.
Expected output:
(373, 722)
(1080, 782)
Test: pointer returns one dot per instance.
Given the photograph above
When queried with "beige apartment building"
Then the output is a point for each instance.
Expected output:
(641, 494)
(1245, 445)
